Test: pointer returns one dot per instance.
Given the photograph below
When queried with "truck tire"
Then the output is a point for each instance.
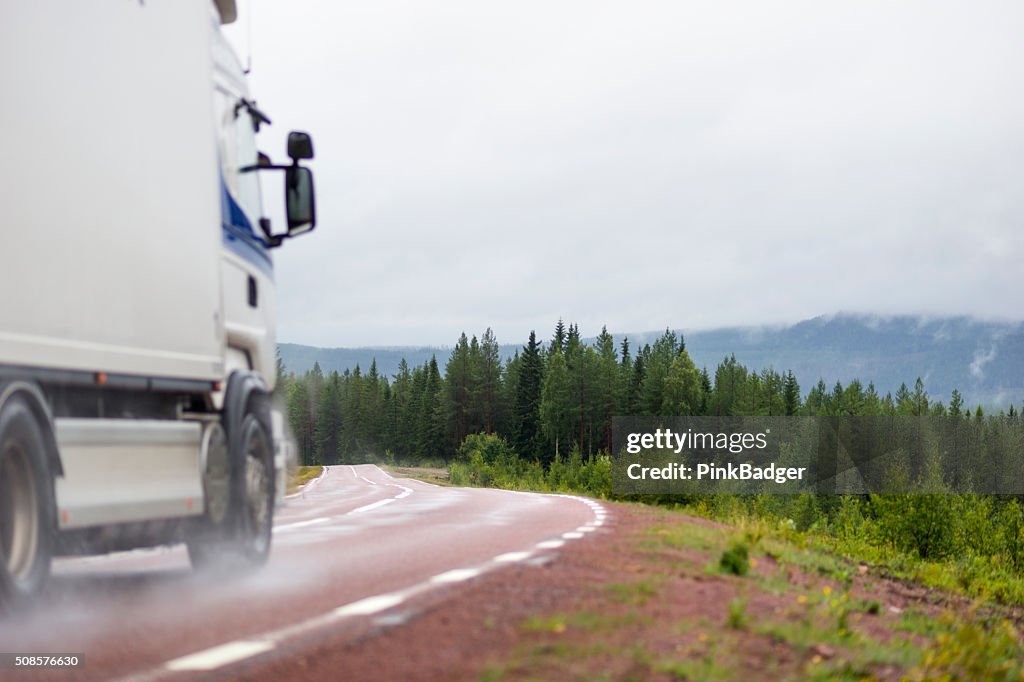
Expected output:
(26, 506)
(256, 513)
(242, 539)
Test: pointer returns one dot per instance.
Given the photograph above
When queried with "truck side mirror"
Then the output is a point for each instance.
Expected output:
(299, 199)
(300, 146)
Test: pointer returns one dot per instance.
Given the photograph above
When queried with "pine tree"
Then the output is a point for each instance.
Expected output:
(791, 394)
(414, 413)
(301, 421)
(904, 401)
(282, 381)
(852, 400)
(635, 383)
(730, 380)
(705, 391)
(430, 431)
(458, 386)
(624, 376)
(373, 407)
(401, 394)
(558, 341)
(578, 367)
(474, 409)
(817, 399)
(329, 424)
(526, 413)
(352, 424)
(772, 402)
(659, 358)
(682, 387)
(556, 405)
(606, 387)
(919, 399)
(504, 422)
(489, 379)
(872, 403)
(314, 386)
(956, 404)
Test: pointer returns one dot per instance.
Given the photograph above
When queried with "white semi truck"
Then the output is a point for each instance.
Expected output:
(137, 339)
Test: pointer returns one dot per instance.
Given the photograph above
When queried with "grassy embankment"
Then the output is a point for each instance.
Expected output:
(884, 587)
(688, 598)
(300, 475)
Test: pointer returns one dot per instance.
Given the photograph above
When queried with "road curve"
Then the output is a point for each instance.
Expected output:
(354, 547)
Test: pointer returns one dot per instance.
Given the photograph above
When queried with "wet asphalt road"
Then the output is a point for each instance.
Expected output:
(354, 548)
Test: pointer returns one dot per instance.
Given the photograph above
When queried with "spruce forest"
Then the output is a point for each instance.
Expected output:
(551, 399)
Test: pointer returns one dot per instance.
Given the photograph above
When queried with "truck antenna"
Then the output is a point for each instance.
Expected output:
(248, 40)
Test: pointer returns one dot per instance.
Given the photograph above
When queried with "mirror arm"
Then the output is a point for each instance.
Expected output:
(259, 167)
(270, 240)
(258, 117)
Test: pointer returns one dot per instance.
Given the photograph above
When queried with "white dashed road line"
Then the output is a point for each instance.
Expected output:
(302, 524)
(219, 656)
(375, 505)
(369, 606)
(512, 557)
(456, 576)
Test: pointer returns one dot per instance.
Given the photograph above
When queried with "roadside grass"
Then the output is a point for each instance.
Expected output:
(584, 621)
(639, 592)
(427, 475)
(300, 475)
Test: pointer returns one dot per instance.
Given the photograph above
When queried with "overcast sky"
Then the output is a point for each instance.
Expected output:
(642, 164)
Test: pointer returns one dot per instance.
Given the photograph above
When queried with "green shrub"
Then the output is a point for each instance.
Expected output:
(973, 652)
(737, 619)
(926, 525)
(486, 448)
(735, 560)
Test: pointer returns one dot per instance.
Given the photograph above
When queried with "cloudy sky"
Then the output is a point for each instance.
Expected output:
(642, 164)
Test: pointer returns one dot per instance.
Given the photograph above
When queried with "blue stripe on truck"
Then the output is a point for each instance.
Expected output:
(239, 236)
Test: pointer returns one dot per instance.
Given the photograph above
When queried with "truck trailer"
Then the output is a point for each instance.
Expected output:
(137, 306)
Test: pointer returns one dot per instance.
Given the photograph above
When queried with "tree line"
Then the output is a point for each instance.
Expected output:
(550, 398)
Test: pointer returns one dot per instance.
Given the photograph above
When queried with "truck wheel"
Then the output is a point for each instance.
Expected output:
(256, 513)
(242, 538)
(26, 506)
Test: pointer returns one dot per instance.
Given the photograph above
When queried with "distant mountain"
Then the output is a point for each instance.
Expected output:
(984, 360)
(299, 359)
